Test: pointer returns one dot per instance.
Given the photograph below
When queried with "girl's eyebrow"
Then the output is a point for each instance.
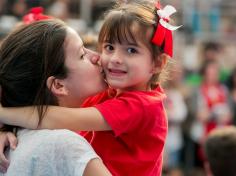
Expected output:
(133, 44)
(123, 43)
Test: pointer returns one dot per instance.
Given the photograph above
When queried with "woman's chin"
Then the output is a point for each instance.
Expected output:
(102, 87)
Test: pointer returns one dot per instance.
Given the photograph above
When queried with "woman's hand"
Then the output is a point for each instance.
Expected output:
(6, 139)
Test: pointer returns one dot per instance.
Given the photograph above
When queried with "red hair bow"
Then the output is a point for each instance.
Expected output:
(163, 33)
(35, 14)
(158, 5)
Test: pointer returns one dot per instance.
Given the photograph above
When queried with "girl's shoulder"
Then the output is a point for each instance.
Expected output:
(99, 98)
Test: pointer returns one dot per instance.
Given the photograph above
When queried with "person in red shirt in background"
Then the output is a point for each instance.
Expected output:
(128, 121)
(211, 107)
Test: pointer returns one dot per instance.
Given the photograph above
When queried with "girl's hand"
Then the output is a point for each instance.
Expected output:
(6, 139)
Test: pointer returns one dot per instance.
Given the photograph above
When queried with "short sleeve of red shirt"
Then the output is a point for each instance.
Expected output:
(99, 98)
(128, 111)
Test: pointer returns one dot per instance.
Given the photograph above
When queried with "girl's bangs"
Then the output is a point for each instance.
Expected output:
(118, 28)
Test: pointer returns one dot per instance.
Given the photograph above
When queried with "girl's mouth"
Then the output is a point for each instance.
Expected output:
(116, 72)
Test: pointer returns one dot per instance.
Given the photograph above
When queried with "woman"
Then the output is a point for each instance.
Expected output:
(45, 63)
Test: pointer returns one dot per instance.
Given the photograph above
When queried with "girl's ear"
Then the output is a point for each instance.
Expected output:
(160, 63)
(57, 86)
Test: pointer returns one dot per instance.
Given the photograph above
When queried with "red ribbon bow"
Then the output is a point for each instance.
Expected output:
(158, 5)
(35, 14)
(163, 34)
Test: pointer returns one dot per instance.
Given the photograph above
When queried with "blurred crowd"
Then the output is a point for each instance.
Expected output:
(201, 88)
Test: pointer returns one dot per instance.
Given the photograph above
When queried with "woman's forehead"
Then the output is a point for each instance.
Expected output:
(73, 44)
(72, 37)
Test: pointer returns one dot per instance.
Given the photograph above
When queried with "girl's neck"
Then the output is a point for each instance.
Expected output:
(119, 91)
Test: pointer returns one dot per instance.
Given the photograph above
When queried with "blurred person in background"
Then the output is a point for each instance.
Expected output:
(60, 9)
(220, 151)
(213, 51)
(177, 111)
(231, 84)
(211, 106)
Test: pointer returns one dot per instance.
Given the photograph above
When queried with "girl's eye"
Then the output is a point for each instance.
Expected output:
(132, 50)
(109, 47)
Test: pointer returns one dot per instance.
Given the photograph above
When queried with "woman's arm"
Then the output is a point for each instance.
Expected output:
(55, 118)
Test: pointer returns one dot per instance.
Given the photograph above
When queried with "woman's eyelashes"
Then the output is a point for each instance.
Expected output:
(82, 56)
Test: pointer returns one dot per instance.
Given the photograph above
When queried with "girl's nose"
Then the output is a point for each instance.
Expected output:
(116, 58)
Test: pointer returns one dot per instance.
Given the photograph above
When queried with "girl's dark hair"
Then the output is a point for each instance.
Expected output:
(28, 56)
(130, 23)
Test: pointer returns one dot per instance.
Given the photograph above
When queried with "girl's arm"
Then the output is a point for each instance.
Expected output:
(56, 117)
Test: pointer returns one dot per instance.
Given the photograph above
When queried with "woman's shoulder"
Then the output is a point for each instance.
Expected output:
(54, 143)
(52, 137)
(50, 150)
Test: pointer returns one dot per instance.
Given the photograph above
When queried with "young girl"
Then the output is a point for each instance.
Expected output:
(131, 125)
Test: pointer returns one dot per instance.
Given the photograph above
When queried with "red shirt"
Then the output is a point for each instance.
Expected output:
(135, 145)
(214, 94)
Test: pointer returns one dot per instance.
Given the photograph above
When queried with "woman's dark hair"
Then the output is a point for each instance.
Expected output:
(28, 56)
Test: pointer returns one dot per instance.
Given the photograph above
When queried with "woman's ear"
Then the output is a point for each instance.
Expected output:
(159, 63)
(56, 86)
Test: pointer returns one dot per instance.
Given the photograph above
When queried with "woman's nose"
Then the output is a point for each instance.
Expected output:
(93, 56)
(95, 59)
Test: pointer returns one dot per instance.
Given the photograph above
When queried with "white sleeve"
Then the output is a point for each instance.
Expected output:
(73, 153)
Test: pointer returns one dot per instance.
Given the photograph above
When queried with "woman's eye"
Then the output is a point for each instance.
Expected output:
(82, 56)
(132, 50)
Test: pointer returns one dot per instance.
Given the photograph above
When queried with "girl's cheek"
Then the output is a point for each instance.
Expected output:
(103, 60)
